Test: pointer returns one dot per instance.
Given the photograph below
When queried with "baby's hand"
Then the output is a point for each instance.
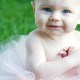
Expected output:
(65, 52)
(72, 52)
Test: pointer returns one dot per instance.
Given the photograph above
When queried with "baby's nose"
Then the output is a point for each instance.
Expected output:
(55, 17)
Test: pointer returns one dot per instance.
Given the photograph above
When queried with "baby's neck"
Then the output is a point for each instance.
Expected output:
(61, 37)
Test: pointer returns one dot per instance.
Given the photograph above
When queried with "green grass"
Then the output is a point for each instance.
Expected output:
(16, 17)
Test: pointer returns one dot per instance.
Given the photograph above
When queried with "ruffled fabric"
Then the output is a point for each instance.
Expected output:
(13, 61)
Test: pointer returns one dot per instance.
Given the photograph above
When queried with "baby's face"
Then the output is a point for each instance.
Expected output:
(56, 17)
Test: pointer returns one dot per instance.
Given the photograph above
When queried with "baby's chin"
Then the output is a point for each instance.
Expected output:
(56, 33)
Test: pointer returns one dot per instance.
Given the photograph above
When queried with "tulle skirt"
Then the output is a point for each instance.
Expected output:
(13, 65)
(13, 61)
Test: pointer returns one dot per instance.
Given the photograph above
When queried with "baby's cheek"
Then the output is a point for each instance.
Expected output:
(39, 23)
(39, 20)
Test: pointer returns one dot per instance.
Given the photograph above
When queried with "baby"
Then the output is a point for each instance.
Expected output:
(53, 49)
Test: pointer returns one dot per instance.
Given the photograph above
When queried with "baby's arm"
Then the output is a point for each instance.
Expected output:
(38, 62)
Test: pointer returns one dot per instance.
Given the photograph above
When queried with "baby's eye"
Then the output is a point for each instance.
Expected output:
(47, 9)
(66, 11)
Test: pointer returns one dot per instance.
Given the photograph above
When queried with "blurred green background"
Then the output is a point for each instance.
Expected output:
(16, 17)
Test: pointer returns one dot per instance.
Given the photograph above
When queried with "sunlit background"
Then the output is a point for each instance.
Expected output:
(16, 18)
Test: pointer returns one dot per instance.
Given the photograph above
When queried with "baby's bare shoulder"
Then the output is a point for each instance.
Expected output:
(34, 35)
(33, 40)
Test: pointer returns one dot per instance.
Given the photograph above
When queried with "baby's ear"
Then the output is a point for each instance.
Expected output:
(33, 5)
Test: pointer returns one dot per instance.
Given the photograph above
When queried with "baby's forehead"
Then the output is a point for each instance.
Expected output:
(60, 2)
(73, 1)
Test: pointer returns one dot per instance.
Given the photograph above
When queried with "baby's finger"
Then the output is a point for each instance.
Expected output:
(65, 49)
(70, 50)
(62, 54)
